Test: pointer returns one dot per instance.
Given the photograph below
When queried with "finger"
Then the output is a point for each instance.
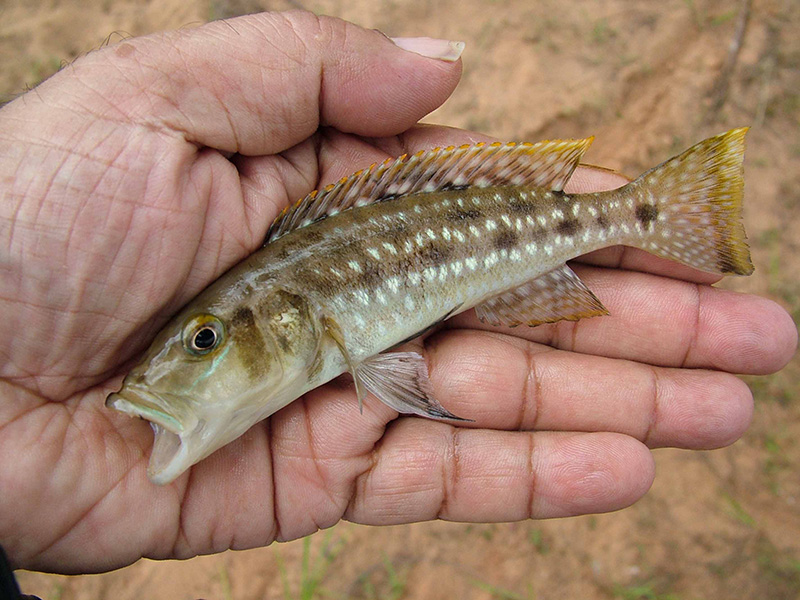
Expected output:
(425, 470)
(261, 83)
(668, 322)
(504, 382)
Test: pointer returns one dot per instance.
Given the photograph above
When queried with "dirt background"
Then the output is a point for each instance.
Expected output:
(644, 78)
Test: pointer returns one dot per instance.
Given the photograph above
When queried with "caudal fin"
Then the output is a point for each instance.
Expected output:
(691, 206)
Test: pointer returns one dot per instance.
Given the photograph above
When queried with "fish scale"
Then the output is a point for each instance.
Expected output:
(355, 269)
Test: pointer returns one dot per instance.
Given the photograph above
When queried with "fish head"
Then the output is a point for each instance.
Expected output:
(209, 376)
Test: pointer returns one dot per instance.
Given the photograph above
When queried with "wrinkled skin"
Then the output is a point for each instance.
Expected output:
(136, 176)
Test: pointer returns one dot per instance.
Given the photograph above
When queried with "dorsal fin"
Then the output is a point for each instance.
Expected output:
(547, 164)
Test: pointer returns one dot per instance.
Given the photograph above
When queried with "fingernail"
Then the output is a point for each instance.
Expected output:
(430, 47)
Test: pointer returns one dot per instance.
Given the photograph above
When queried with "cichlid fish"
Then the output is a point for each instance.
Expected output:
(360, 266)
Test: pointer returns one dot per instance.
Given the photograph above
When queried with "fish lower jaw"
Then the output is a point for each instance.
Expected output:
(169, 457)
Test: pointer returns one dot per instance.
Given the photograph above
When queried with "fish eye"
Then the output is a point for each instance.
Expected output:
(202, 335)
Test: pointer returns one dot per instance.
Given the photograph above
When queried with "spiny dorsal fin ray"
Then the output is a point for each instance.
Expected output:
(547, 164)
(555, 296)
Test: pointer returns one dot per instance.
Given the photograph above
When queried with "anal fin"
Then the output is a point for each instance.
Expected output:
(555, 296)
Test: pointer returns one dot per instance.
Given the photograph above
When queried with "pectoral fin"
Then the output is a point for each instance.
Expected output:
(400, 380)
(554, 296)
(337, 335)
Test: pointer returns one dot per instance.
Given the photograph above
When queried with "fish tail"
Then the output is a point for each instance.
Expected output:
(690, 207)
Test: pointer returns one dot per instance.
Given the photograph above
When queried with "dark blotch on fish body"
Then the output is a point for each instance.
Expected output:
(568, 227)
(505, 240)
(646, 214)
(434, 254)
(455, 216)
(248, 337)
(371, 276)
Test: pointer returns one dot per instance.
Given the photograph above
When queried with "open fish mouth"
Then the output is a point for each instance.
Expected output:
(140, 403)
(170, 455)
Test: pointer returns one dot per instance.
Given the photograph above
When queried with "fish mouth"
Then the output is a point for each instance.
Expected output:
(170, 456)
(141, 403)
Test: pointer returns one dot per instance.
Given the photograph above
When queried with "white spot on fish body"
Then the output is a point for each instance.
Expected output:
(490, 225)
(530, 220)
(498, 198)
(380, 296)
(518, 224)
(414, 278)
(409, 303)
(592, 210)
(419, 239)
(585, 236)
(354, 265)
(548, 249)
(506, 220)
(390, 248)
(443, 273)
(557, 214)
(515, 255)
(541, 220)
(474, 231)
(430, 234)
(429, 273)
(336, 272)
(359, 320)
(408, 246)
(393, 283)
(374, 253)
(576, 208)
(417, 208)
(460, 202)
(456, 267)
(471, 263)
(362, 296)
(531, 248)
(446, 234)
(458, 235)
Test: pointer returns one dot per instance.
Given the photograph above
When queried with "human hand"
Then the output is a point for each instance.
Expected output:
(139, 174)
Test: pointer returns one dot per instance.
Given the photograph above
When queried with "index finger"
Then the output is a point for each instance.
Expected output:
(262, 83)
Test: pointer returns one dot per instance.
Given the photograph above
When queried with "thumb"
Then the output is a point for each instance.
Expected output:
(262, 83)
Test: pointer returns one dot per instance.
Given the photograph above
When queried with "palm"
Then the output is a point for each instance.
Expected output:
(135, 215)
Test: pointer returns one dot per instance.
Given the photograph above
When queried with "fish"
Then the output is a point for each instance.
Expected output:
(353, 270)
